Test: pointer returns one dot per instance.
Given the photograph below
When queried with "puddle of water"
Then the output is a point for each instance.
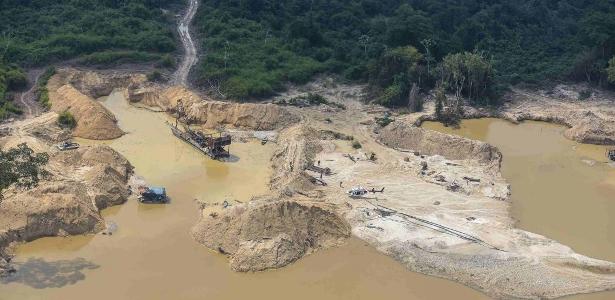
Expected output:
(152, 256)
(560, 188)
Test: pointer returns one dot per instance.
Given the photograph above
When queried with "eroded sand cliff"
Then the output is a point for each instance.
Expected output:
(210, 113)
(81, 183)
(444, 212)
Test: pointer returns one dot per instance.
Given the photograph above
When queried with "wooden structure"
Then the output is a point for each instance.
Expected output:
(215, 147)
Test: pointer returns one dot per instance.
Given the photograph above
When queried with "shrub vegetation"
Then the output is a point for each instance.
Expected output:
(21, 166)
(67, 120)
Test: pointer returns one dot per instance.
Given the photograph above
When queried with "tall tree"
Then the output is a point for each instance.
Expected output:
(467, 74)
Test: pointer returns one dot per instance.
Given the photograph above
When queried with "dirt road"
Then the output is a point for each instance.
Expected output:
(27, 98)
(190, 57)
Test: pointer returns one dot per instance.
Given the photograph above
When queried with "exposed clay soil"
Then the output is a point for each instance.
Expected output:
(77, 90)
(445, 207)
(74, 91)
(269, 233)
(82, 182)
(589, 121)
(445, 211)
(210, 113)
(274, 231)
(404, 136)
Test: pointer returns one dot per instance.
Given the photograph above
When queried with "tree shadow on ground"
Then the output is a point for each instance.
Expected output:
(39, 274)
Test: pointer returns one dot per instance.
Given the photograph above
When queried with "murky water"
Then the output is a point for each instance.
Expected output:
(561, 189)
(152, 256)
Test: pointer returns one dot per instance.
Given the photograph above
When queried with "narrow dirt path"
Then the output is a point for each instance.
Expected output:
(190, 57)
(27, 98)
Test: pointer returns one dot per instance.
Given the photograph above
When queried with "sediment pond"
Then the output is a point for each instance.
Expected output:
(152, 256)
(560, 189)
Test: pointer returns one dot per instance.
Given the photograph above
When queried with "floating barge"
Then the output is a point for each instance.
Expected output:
(214, 147)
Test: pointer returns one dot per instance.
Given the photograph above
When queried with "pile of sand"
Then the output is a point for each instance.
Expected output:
(93, 120)
(268, 234)
(297, 147)
(275, 231)
(590, 121)
(81, 183)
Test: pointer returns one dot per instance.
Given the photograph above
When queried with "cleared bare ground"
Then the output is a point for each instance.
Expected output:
(444, 211)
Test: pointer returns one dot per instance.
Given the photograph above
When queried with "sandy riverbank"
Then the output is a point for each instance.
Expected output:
(444, 213)
(69, 201)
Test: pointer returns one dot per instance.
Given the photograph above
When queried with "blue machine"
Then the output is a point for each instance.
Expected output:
(153, 195)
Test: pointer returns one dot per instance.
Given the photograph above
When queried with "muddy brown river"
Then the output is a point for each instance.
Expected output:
(152, 256)
(560, 189)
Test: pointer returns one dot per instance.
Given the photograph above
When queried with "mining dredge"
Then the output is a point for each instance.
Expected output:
(215, 146)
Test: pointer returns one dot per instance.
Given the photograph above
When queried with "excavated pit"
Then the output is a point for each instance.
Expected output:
(546, 170)
(149, 239)
(68, 202)
(460, 190)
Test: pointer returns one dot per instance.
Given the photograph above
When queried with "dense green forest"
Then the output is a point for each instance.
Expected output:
(96, 32)
(11, 78)
(472, 48)
(35, 32)
(254, 46)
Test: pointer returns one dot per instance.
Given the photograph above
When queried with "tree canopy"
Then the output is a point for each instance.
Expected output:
(254, 47)
(11, 78)
(99, 32)
(391, 75)
(36, 32)
(467, 74)
(21, 166)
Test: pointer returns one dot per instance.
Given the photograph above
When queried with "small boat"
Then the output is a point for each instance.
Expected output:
(67, 145)
(152, 194)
